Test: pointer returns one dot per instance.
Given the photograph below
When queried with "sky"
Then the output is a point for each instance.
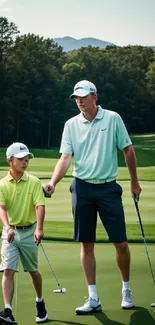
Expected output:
(122, 22)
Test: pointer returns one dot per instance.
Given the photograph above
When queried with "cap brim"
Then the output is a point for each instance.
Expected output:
(23, 154)
(79, 93)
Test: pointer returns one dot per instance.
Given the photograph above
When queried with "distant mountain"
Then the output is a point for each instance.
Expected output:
(69, 43)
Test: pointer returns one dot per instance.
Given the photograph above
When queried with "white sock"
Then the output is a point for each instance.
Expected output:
(92, 291)
(125, 285)
(39, 299)
(8, 306)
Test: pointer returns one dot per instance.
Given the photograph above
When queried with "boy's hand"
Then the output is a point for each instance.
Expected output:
(38, 236)
(11, 235)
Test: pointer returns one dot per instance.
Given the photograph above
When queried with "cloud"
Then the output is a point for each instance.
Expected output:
(5, 9)
(3, 1)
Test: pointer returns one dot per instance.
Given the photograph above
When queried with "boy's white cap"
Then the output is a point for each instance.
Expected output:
(18, 150)
(83, 88)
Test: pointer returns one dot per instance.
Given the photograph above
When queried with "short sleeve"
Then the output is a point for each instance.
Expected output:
(2, 198)
(66, 142)
(38, 195)
(122, 137)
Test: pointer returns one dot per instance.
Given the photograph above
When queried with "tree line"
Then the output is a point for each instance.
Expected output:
(37, 77)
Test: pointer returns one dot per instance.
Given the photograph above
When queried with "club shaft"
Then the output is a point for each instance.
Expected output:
(142, 230)
(16, 293)
(153, 277)
(49, 263)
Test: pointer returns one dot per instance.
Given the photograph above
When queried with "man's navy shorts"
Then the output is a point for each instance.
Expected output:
(105, 199)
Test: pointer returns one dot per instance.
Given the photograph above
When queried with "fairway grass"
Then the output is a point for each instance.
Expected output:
(58, 208)
(59, 221)
(61, 307)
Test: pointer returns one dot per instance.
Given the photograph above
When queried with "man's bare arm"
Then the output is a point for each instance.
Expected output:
(130, 159)
(59, 172)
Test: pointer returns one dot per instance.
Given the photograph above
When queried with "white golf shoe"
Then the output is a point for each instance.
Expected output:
(90, 306)
(127, 301)
(153, 304)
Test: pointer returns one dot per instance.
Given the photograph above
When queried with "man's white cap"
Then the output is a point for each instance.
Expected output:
(83, 88)
(18, 150)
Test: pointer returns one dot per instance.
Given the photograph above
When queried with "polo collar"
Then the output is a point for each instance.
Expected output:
(23, 178)
(99, 115)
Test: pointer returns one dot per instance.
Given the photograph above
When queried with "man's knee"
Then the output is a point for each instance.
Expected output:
(87, 248)
(122, 247)
(35, 274)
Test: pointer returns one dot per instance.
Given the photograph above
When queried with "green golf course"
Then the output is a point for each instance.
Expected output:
(64, 258)
(64, 253)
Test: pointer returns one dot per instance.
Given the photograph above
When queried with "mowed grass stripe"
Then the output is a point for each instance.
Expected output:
(59, 206)
(55, 230)
(44, 169)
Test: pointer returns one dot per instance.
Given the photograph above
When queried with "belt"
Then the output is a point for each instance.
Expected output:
(100, 181)
(22, 227)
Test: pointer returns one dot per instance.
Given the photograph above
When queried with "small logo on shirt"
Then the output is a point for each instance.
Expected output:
(126, 140)
(103, 129)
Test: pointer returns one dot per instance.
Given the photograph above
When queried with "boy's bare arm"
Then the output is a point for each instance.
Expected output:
(5, 221)
(40, 211)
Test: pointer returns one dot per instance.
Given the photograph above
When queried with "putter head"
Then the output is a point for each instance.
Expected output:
(62, 290)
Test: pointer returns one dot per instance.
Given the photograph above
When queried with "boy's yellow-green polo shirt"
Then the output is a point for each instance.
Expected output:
(21, 198)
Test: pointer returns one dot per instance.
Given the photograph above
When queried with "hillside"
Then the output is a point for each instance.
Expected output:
(69, 43)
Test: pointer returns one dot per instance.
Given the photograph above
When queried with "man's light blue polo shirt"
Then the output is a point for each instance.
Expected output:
(94, 144)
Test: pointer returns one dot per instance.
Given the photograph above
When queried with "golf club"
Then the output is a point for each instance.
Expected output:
(16, 292)
(62, 290)
(146, 249)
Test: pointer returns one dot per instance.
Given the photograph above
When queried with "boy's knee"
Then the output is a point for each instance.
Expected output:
(9, 273)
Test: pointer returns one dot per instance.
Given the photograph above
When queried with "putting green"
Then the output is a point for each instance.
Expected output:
(65, 261)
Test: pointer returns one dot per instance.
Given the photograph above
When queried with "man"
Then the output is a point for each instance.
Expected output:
(92, 138)
(22, 211)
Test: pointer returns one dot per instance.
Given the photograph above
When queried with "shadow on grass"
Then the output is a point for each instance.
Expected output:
(65, 322)
(140, 316)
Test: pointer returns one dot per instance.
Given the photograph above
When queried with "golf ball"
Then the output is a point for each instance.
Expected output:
(63, 289)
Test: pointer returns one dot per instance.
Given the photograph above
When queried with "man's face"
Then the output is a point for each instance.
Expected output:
(85, 104)
(19, 164)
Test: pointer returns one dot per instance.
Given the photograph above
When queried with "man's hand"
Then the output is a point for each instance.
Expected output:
(11, 234)
(48, 190)
(38, 236)
(135, 189)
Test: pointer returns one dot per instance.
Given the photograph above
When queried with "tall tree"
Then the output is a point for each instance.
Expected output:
(8, 33)
(35, 66)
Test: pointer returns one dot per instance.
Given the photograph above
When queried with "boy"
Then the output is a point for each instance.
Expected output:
(22, 212)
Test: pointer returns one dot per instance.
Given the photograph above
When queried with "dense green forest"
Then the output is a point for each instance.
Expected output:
(37, 77)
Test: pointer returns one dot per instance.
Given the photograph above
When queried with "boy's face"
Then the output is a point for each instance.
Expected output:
(19, 164)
